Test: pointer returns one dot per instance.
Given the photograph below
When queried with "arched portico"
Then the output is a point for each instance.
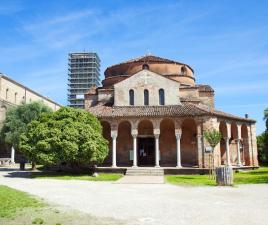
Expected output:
(245, 146)
(146, 143)
(167, 143)
(234, 145)
(170, 142)
(223, 142)
(124, 144)
(106, 132)
(189, 151)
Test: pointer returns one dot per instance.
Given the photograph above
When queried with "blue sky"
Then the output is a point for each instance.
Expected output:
(226, 42)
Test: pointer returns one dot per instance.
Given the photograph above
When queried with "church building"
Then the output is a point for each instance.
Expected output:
(154, 114)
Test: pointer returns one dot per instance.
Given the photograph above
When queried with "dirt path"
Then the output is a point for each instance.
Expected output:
(153, 203)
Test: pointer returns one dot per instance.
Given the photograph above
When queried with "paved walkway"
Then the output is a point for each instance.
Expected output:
(157, 204)
(141, 180)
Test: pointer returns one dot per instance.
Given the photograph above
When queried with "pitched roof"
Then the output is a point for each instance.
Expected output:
(188, 110)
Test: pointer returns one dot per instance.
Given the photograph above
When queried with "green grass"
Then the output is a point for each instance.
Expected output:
(243, 177)
(20, 208)
(190, 180)
(69, 176)
(259, 176)
(12, 201)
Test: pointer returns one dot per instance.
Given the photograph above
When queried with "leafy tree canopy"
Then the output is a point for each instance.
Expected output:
(266, 118)
(17, 119)
(68, 135)
(213, 137)
(262, 141)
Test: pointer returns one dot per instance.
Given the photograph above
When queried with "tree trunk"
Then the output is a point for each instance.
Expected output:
(224, 176)
(33, 166)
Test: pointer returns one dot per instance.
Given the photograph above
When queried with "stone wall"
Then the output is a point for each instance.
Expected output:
(15, 93)
(150, 81)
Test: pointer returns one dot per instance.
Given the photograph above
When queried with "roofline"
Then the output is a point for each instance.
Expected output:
(140, 57)
(21, 85)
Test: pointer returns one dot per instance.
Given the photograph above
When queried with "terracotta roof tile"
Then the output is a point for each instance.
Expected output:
(184, 110)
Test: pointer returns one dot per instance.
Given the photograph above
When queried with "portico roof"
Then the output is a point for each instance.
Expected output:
(183, 110)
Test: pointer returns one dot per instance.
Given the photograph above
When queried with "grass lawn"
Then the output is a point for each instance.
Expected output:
(17, 207)
(243, 177)
(69, 176)
(12, 201)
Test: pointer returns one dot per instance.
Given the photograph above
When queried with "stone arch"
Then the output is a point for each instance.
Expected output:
(167, 143)
(245, 157)
(224, 134)
(145, 128)
(124, 144)
(106, 132)
(145, 66)
(189, 153)
(233, 143)
(146, 143)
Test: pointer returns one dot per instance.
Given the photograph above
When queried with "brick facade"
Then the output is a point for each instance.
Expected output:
(176, 128)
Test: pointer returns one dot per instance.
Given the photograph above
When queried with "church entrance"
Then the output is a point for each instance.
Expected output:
(146, 151)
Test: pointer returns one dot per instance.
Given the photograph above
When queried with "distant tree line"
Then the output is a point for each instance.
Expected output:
(262, 141)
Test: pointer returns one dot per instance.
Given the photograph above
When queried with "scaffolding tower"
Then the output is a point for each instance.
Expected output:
(84, 72)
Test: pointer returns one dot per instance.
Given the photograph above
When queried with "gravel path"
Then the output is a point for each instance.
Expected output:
(153, 204)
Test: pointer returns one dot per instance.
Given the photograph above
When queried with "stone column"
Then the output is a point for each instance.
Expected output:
(156, 150)
(114, 136)
(178, 138)
(199, 145)
(12, 155)
(228, 161)
(238, 145)
(134, 135)
(238, 153)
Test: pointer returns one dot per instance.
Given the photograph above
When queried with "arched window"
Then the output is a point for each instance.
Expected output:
(146, 97)
(145, 67)
(161, 97)
(7, 93)
(16, 97)
(131, 97)
(183, 71)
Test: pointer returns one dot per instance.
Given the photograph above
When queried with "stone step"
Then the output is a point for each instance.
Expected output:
(145, 172)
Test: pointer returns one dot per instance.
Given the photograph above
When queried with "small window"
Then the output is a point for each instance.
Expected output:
(6, 93)
(131, 97)
(145, 67)
(183, 71)
(16, 97)
(161, 97)
(146, 97)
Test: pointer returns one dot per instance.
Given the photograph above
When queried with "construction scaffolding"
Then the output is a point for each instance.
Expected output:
(84, 72)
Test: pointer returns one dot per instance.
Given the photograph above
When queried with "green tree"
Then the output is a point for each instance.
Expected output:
(266, 118)
(213, 137)
(262, 141)
(68, 135)
(17, 119)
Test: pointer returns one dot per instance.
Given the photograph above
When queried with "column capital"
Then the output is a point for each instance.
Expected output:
(134, 133)
(114, 134)
(178, 135)
(226, 138)
(156, 136)
(156, 132)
